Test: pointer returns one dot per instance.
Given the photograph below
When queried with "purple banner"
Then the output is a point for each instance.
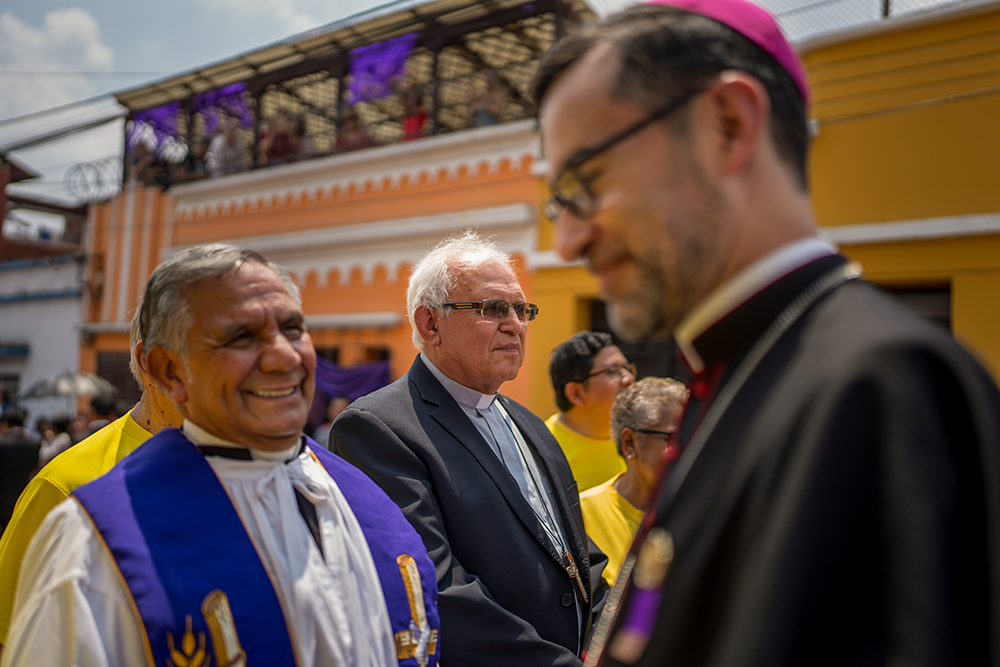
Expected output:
(374, 68)
(351, 382)
(162, 120)
(230, 99)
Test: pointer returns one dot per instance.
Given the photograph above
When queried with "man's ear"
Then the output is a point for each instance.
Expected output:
(740, 109)
(574, 393)
(141, 361)
(426, 320)
(628, 444)
(166, 369)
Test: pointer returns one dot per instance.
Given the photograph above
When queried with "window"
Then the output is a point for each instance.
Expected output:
(932, 303)
(656, 357)
(376, 353)
(9, 384)
(113, 367)
(331, 354)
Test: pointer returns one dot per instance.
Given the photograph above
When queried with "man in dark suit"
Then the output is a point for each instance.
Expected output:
(481, 478)
(837, 500)
(18, 458)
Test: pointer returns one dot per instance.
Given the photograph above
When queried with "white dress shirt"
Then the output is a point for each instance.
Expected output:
(72, 608)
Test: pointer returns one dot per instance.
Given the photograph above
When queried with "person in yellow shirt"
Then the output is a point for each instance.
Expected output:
(588, 371)
(644, 420)
(80, 464)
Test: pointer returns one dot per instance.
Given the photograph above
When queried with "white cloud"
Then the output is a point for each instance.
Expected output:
(68, 40)
(282, 17)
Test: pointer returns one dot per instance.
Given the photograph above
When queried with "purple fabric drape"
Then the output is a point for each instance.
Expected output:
(375, 67)
(231, 99)
(350, 382)
(162, 120)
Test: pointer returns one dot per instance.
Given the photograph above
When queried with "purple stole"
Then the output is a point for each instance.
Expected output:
(198, 585)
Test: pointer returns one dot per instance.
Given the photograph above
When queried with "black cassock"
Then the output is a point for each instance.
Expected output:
(845, 510)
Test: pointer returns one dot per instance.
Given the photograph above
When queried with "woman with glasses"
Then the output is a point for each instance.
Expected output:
(644, 420)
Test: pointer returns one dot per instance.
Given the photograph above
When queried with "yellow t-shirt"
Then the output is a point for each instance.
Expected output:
(78, 465)
(592, 460)
(612, 522)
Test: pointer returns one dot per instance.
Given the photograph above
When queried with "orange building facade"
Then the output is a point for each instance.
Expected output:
(348, 226)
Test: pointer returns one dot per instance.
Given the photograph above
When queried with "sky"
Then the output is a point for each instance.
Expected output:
(59, 52)
(55, 53)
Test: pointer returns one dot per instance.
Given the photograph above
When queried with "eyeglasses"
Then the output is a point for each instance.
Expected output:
(571, 191)
(649, 431)
(616, 371)
(495, 309)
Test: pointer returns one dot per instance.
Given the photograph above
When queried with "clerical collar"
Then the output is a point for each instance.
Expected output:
(751, 280)
(200, 436)
(464, 396)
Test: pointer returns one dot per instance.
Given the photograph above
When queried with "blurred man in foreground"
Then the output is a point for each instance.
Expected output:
(838, 496)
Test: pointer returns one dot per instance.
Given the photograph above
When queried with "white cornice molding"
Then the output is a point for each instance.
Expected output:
(913, 230)
(320, 177)
(105, 327)
(550, 259)
(376, 320)
(389, 243)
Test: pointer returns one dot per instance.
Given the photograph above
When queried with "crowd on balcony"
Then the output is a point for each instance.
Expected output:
(234, 144)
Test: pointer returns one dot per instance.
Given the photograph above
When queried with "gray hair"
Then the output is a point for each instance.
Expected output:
(648, 401)
(133, 342)
(436, 274)
(166, 315)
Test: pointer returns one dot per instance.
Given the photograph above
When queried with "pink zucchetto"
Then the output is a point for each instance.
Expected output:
(756, 24)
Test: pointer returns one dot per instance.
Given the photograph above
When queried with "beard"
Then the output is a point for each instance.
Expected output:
(674, 274)
(640, 315)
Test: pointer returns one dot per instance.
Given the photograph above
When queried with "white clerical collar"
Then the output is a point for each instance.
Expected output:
(741, 287)
(200, 436)
(464, 396)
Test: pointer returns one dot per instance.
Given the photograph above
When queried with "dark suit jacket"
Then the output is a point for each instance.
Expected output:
(846, 510)
(505, 597)
(18, 458)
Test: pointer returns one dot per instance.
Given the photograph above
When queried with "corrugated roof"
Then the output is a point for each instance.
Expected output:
(329, 42)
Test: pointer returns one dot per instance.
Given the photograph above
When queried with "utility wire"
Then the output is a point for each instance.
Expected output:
(51, 72)
(60, 133)
(35, 114)
(46, 127)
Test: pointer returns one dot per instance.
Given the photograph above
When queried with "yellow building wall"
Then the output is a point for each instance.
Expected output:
(907, 122)
(909, 164)
(563, 297)
(908, 130)
(970, 265)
